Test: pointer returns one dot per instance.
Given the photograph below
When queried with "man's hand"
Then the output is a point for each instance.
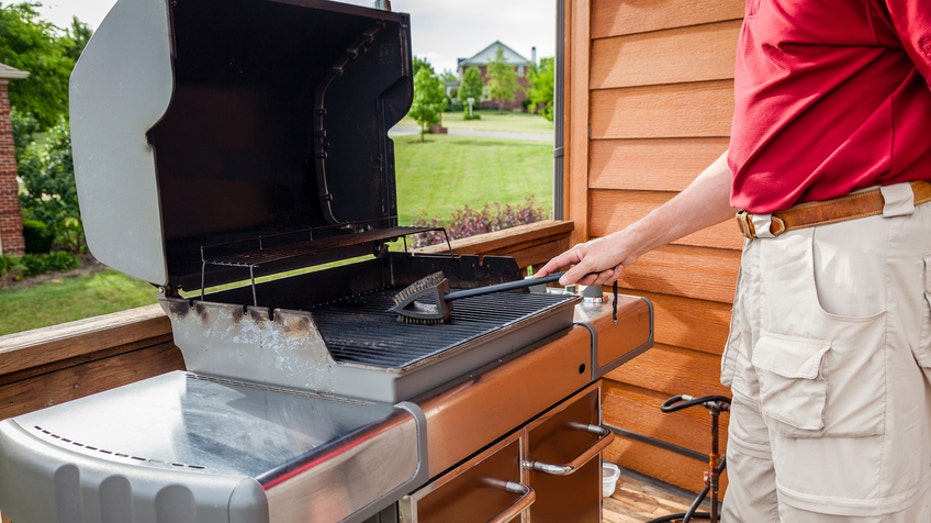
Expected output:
(595, 262)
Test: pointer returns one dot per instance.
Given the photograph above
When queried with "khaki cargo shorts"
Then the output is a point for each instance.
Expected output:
(829, 362)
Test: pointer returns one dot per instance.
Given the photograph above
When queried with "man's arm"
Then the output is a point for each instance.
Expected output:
(705, 202)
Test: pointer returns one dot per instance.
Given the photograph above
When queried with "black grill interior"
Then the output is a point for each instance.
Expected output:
(359, 329)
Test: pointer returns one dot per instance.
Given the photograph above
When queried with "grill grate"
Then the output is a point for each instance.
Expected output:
(359, 329)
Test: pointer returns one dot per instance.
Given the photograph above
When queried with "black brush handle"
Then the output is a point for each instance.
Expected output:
(507, 286)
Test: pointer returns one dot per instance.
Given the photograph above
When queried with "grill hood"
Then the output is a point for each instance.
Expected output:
(204, 122)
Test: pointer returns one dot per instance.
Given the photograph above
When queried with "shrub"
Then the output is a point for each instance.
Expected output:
(33, 264)
(468, 222)
(61, 261)
(36, 264)
(7, 264)
(453, 105)
(37, 235)
(48, 192)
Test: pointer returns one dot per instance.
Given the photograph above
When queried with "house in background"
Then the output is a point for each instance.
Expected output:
(11, 222)
(520, 64)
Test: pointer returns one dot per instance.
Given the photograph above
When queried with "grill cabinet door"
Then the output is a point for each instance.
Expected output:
(564, 460)
(487, 487)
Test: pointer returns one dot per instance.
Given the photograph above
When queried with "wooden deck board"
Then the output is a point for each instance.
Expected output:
(637, 500)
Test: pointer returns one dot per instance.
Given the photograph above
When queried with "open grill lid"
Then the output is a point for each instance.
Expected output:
(248, 125)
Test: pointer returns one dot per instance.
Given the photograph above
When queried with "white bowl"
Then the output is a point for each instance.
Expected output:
(609, 474)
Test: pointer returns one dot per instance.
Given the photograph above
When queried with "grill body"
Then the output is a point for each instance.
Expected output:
(235, 154)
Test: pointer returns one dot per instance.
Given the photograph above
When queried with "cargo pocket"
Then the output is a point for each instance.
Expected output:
(793, 391)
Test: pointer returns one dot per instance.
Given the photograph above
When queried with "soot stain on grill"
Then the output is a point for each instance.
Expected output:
(206, 312)
(179, 308)
(237, 314)
(260, 317)
(297, 325)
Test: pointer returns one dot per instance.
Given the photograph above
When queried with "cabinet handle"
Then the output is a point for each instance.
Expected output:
(605, 437)
(528, 496)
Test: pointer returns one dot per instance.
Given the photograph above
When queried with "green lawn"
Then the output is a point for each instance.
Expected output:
(68, 299)
(446, 173)
(435, 177)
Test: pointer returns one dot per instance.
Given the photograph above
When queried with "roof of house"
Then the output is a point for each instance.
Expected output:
(11, 73)
(488, 54)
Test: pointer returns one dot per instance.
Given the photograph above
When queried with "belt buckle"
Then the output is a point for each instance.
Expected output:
(745, 224)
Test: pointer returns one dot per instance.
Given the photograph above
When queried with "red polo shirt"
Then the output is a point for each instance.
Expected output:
(830, 96)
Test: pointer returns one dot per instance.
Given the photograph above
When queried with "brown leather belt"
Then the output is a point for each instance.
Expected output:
(852, 206)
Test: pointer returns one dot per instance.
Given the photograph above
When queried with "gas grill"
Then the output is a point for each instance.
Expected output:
(235, 154)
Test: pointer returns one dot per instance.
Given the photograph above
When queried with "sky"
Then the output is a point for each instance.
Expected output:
(441, 30)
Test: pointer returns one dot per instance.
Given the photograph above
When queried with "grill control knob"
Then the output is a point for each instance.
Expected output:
(593, 293)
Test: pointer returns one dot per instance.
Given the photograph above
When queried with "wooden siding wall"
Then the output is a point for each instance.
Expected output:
(649, 105)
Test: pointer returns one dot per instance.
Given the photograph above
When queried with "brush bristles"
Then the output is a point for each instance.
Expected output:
(422, 302)
(420, 321)
(418, 287)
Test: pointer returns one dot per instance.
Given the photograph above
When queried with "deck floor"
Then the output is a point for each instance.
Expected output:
(639, 499)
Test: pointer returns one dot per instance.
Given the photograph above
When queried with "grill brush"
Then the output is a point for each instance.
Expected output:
(428, 300)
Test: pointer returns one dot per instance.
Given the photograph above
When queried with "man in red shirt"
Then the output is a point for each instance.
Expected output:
(829, 356)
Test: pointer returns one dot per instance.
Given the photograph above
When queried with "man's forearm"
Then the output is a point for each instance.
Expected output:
(705, 202)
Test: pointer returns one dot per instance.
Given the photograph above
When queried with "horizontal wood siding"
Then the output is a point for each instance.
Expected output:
(657, 58)
(665, 111)
(657, 111)
(611, 210)
(658, 164)
(620, 17)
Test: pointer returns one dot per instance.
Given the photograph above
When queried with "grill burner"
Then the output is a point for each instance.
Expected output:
(360, 329)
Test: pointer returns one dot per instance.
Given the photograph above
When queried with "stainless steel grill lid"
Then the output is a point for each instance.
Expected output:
(204, 122)
(218, 141)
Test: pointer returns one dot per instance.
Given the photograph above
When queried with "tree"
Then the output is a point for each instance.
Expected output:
(25, 127)
(471, 85)
(47, 53)
(542, 86)
(77, 37)
(420, 63)
(48, 192)
(429, 99)
(40, 104)
(502, 79)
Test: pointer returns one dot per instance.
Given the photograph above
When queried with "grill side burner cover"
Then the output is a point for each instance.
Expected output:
(197, 122)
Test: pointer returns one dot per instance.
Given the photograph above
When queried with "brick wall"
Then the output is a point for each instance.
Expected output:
(11, 222)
